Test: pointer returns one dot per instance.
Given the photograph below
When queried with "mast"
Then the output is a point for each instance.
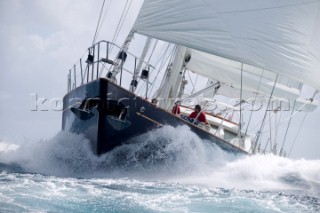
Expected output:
(178, 88)
(172, 78)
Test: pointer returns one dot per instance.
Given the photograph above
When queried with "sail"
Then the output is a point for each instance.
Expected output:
(277, 35)
(228, 73)
(257, 85)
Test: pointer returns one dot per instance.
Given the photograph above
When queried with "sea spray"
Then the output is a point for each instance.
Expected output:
(166, 150)
(263, 173)
(169, 154)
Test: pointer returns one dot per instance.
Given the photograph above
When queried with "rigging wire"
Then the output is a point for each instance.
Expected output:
(240, 120)
(276, 133)
(256, 139)
(195, 82)
(146, 64)
(265, 147)
(299, 129)
(270, 127)
(164, 59)
(255, 98)
(95, 34)
(98, 28)
(122, 18)
(119, 27)
(162, 56)
(190, 79)
(105, 15)
(261, 134)
(154, 47)
(169, 64)
(292, 115)
(285, 135)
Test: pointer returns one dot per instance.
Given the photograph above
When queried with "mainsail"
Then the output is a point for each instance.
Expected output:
(281, 36)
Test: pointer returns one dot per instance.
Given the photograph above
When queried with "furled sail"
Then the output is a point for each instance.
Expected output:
(281, 36)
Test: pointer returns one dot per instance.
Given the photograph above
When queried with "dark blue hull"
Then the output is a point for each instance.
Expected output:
(109, 115)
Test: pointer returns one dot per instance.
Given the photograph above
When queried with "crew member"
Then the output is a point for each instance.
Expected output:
(198, 116)
(176, 108)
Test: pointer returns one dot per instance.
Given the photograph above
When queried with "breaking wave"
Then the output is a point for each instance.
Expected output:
(170, 154)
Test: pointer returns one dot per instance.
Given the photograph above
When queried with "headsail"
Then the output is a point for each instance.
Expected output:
(278, 35)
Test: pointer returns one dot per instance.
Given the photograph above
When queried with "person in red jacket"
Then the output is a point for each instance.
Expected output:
(176, 108)
(198, 116)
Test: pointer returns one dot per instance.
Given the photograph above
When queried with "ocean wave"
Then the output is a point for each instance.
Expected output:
(170, 154)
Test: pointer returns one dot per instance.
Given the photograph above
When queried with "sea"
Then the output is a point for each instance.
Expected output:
(169, 169)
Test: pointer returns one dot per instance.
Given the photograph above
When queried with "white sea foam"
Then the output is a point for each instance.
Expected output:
(174, 155)
(7, 147)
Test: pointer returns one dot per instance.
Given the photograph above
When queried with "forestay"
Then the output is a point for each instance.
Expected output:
(277, 35)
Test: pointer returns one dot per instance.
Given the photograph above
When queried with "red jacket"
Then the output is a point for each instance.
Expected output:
(201, 117)
(176, 109)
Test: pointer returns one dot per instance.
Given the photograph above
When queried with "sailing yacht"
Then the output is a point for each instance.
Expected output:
(236, 59)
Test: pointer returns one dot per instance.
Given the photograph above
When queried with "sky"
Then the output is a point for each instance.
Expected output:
(41, 39)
